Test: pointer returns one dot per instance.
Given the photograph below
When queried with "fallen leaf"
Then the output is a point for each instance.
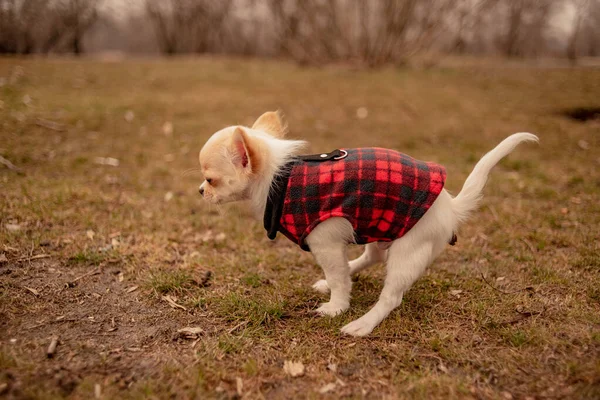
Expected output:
(239, 385)
(52, 347)
(564, 210)
(32, 290)
(114, 243)
(293, 369)
(362, 113)
(332, 367)
(519, 308)
(121, 277)
(169, 299)
(12, 227)
(132, 289)
(327, 388)
(500, 278)
(507, 395)
(584, 145)
(90, 234)
(129, 116)
(456, 293)
(19, 116)
(167, 128)
(190, 332)
(209, 235)
(97, 391)
(113, 162)
(168, 196)
(3, 258)
(442, 368)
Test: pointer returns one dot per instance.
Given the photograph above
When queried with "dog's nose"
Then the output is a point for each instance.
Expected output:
(201, 190)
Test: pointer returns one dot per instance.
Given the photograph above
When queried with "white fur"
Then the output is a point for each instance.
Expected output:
(406, 258)
(281, 152)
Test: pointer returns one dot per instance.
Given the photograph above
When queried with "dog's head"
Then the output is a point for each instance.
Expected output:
(233, 157)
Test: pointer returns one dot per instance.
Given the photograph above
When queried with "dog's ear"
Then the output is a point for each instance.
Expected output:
(239, 149)
(273, 123)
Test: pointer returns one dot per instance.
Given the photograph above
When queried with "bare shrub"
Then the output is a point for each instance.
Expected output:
(28, 26)
(185, 26)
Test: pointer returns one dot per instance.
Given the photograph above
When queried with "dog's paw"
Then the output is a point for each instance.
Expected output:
(332, 309)
(321, 286)
(360, 327)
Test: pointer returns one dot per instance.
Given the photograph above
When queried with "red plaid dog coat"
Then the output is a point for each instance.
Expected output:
(381, 192)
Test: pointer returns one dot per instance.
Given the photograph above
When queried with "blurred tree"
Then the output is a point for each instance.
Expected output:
(372, 32)
(18, 24)
(27, 26)
(188, 25)
(585, 36)
(77, 17)
(367, 32)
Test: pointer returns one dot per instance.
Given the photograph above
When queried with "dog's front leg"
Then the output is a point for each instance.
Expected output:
(333, 260)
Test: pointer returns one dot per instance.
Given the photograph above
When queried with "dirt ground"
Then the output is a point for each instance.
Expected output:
(106, 246)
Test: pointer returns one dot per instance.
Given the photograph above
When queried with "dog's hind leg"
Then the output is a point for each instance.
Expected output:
(407, 261)
(372, 255)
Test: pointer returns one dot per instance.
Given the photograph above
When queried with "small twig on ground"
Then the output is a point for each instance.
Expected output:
(30, 258)
(53, 322)
(172, 302)
(529, 245)
(237, 326)
(44, 123)
(96, 272)
(524, 315)
(10, 165)
(385, 337)
(52, 347)
(528, 288)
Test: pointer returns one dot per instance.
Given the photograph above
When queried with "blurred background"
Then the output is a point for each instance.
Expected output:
(308, 31)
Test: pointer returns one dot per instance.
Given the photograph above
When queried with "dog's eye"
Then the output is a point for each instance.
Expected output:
(209, 180)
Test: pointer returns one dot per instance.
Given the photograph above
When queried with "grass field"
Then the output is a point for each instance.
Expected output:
(114, 260)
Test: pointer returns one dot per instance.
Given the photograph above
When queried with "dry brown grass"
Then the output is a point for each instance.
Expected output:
(535, 333)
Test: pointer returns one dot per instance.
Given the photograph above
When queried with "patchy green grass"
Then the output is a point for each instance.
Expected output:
(87, 257)
(511, 311)
(165, 282)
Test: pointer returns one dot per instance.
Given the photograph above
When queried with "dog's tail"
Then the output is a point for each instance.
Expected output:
(470, 195)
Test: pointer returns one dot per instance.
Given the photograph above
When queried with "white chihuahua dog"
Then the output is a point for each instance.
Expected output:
(394, 204)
